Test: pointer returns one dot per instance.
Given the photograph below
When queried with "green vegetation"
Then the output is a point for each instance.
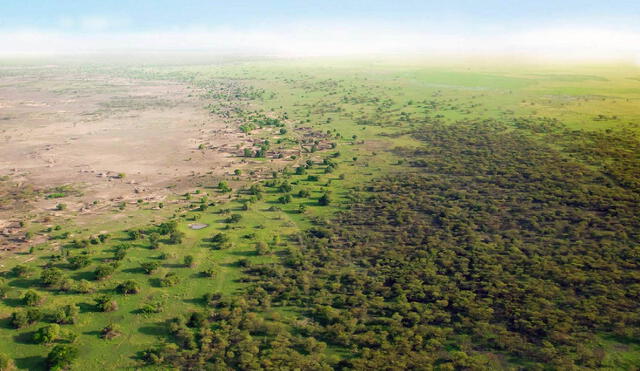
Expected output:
(385, 217)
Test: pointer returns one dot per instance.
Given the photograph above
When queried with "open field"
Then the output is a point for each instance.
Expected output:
(316, 214)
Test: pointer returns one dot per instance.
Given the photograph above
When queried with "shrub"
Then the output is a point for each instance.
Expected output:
(66, 315)
(234, 218)
(77, 262)
(149, 267)
(105, 303)
(84, 287)
(21, 271)
(285, 199)
(168, 227)
(110, 331)
(324, 200)
(304, 193)
(31, 298)
(170, 279)
(189, 261)
(47, 334)
(176, 237)
(154, 240)
(154, 307)
(262, 248)
(128, 287)
(62, 356)
(6, 363)
(51, 277)
(104, 271)
(209, 272)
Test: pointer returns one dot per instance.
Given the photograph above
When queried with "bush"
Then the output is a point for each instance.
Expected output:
(120, 254)
(47, 334)
(105, 303)
(51, 277)
(31, 298)
(19, 319)
(170, 279)
(104, 271)
(176, 237)
(154, 307)
(21, 271)
(324, 200)
(128, 287)
(234, 218)
(149, 267)
(61, 357)
(110, 331)
(66, 315)
(84, 287)
(189, 261)
(78, 262)
(209, 272)
(262, 248)
(168, 227)
(285, 199)
(304, 193)
(6, 363)
(154, 240)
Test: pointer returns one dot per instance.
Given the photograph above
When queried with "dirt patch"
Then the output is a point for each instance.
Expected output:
(114, 139)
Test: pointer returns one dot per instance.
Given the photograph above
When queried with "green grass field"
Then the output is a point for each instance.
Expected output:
(366, 108)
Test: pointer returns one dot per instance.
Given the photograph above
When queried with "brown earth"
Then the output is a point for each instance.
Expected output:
(60, 127)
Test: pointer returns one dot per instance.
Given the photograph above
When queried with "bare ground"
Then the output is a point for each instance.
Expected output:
(59, 128)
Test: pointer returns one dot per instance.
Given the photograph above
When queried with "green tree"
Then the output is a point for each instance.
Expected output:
(105, 303)
(110, 331)
(31, 298)
(128, 287)
(176, 237)
(67, 314)
(169, 280)
(78, 261)
(51, 277)
(104, 271)
(6, 363)
(62, 357)
(47, 334)
(149, 267)
(189, 261)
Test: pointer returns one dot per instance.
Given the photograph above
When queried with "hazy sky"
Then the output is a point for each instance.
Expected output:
(555, 28)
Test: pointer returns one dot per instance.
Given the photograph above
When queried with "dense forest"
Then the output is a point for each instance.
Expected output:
(504, 243)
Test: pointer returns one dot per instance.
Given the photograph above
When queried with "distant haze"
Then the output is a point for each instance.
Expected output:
(573, 30)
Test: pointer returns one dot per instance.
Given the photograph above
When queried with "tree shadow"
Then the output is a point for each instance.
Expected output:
(136, 270)
(83, 276)
(23, 283)
(13, 302)
(86, 307)
(159, 329)
(31, 363)
(155, 282)
(24, 338)
(244, 253)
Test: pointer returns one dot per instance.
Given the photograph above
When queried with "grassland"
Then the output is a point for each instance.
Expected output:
(348, 123)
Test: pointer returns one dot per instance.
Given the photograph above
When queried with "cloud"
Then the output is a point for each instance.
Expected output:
(328, 39)
(91, 23)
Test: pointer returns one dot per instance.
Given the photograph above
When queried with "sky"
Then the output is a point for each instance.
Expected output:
(544, 28)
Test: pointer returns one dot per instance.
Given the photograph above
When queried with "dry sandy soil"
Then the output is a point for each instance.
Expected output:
(60, 127)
